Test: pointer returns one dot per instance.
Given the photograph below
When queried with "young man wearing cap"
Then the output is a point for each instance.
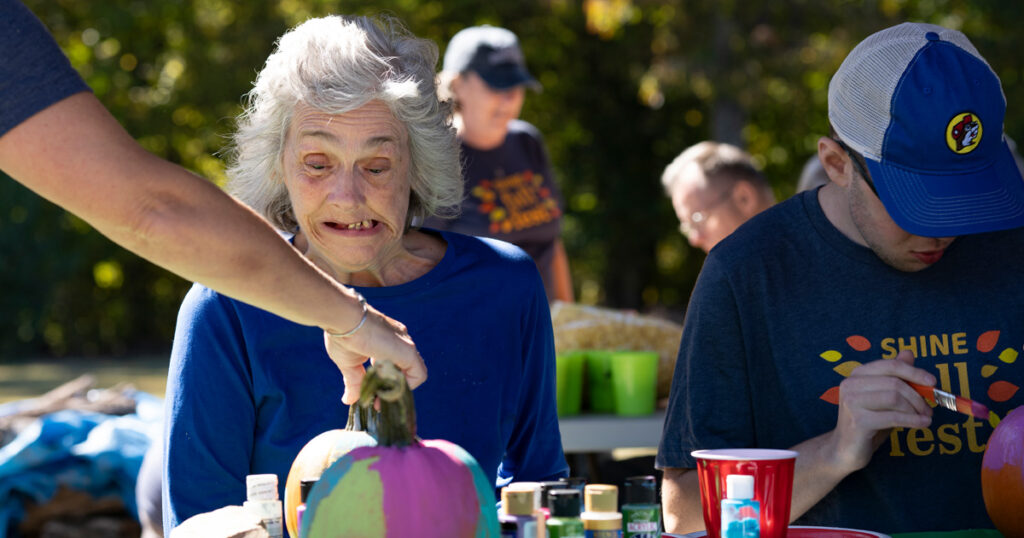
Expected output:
(510, 189)
(804, 328)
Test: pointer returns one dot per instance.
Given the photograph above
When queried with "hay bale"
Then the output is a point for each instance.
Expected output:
(581, 327)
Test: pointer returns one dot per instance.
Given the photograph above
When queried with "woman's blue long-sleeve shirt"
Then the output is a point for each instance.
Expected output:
(247, 389)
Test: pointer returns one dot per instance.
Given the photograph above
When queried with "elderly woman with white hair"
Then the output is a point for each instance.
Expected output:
(342, 143)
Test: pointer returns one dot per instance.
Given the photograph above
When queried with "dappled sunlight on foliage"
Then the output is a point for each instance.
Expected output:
(628, 84)
(606, 17)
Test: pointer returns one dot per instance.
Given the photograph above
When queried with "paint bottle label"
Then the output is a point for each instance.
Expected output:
(269, 513)
(261, 487)
(641, 521)
(617, 533)
(525, 527)
(740, 518)
(567, 527)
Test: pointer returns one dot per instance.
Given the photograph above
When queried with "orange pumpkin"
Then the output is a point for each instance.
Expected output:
(318, 454)
(1002, 475)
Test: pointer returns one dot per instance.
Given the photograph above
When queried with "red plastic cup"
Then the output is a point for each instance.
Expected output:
(773, 485)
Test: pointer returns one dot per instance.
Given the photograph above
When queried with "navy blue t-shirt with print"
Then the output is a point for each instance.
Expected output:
(34, 73)
(787, 306)
(511, 195)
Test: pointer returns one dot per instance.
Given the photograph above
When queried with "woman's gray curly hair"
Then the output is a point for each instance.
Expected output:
(337, 64)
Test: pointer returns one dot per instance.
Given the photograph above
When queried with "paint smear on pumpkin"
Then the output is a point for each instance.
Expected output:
(488, 524)
(428, 493)
(1002, 508)
(353, 506)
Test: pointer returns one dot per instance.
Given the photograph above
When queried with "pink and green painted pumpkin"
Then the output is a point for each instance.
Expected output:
(404, 486)
(1002, 475)
(427, 489)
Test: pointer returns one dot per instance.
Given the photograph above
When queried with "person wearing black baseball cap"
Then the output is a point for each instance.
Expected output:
(808, 323)
(510, 189)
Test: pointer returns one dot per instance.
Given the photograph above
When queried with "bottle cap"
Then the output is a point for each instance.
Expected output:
(601, 498)
(564, 502)
(641, 490)
(574, 481)
(518, 502)
(535, 487)
(545, 490)
(739, 486)
(261, 487)
(305, 486)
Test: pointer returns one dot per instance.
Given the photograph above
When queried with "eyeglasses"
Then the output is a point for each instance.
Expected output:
(861, 170)
(698, 219)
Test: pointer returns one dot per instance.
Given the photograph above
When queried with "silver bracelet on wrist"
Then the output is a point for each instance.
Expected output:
(362, 302)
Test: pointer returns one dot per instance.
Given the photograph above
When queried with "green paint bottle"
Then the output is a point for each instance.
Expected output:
(565, 519)
(641, 513)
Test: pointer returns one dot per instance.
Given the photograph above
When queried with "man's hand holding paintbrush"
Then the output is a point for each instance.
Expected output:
(874, 399)
(887, 394)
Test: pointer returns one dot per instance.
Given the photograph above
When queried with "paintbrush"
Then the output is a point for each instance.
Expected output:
(951, 401)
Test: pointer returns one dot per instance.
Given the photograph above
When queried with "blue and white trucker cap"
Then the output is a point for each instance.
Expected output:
(926, 112)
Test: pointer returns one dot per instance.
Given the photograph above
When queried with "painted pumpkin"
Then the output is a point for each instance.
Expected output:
(1002, 475)
(404, 486)
(318, 454)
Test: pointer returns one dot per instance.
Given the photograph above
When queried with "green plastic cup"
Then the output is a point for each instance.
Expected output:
(599, 381)
(569, 382)
(634, 381)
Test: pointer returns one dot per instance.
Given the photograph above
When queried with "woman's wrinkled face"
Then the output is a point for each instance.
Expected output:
(485, 110)
(347, 176)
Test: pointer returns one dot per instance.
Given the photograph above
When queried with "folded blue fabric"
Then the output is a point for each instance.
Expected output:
(86, 451)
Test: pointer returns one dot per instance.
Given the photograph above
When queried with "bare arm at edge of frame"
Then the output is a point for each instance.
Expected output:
(75, 154)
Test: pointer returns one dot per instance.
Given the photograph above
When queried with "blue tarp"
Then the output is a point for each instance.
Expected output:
(86, 451)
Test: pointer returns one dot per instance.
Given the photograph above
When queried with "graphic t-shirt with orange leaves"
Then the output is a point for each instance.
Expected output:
(787, 307)
(511, 195)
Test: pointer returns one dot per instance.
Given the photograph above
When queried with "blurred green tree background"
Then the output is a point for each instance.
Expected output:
(627, 84)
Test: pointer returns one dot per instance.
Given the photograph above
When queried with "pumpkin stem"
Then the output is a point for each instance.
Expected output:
(357, 419)
(395, 423)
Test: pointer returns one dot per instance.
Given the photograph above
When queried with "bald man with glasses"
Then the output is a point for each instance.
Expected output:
(714, 188)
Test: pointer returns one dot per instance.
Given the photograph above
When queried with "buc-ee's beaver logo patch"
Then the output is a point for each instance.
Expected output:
(963, 132)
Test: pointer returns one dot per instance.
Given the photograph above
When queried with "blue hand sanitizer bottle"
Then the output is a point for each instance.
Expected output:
(741, 514)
